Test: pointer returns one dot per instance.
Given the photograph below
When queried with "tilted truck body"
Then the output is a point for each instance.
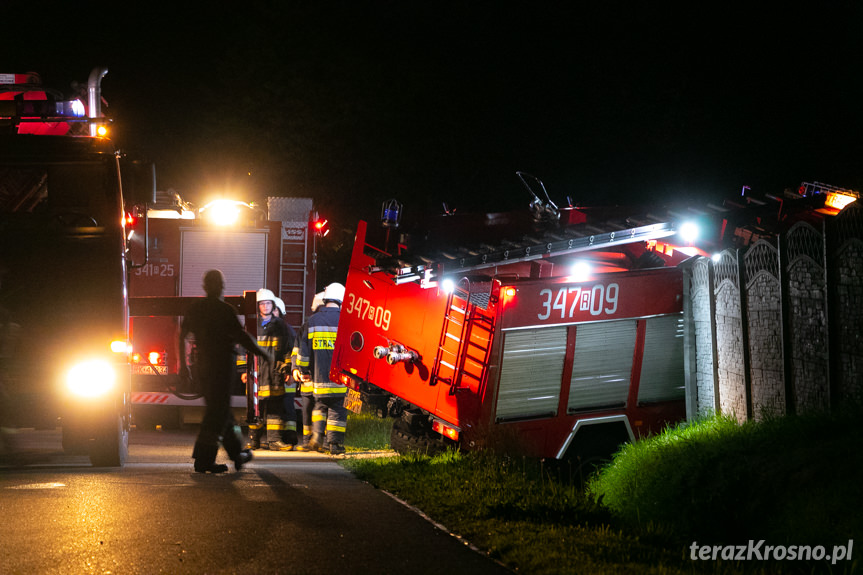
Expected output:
(492, 341)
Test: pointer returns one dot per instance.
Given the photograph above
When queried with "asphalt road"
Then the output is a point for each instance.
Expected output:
(283, 513)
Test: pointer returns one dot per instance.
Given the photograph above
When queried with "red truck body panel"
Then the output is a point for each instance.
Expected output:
(512, 359)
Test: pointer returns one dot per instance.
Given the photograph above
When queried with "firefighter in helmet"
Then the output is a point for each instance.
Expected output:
(279, 310)
(307, 388)
(329, 418)
(277, 426)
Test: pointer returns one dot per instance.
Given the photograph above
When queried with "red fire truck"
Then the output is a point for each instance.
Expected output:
(255, 247)
(64, 188)
(552, 333)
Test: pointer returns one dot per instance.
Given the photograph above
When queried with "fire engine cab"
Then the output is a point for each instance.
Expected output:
(64, 189)
(548, 332)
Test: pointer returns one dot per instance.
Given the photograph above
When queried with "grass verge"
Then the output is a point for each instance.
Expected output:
(519, 511)
(367, 432)
(790, 481)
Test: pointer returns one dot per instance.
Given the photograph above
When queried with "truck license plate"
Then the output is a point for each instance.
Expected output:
(354, 401)
(147, 370)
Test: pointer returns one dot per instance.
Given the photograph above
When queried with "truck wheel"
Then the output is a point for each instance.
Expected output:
(111, 444)
(403, 441)
(73, 442)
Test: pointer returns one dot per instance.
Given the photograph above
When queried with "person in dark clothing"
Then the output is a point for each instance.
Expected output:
(217, 330)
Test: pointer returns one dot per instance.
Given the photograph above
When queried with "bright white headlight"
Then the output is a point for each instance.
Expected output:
(689, 232)
(580, 271)
(91, 378)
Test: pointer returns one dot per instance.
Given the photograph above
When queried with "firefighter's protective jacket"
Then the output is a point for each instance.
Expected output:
(316, 351)
(307, 388)
(277, 338)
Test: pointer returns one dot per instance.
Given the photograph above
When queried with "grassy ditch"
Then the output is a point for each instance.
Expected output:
(519, 511)
(790, 481)
(367, 432)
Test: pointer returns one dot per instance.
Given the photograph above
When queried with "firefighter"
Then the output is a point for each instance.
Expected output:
(279, 310)
(329, 418)
(277, 424)
(216, 330)
(307, 388)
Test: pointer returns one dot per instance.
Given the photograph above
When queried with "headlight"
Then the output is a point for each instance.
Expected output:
(91, 378)
(689, 232)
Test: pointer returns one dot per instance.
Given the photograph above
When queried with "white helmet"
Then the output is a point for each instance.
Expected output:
(318, 301)
(265, 295)
(281, 305)
(334, 292)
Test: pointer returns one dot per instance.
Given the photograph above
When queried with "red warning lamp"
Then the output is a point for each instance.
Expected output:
(320, 226)
(445, 430)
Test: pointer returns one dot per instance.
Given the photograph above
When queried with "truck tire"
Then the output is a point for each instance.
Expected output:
(111, 445)
(404, 442)
(73, 441)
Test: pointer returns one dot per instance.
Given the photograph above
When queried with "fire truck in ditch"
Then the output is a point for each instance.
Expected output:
(64, 190)
(551, 332)
(273, 248)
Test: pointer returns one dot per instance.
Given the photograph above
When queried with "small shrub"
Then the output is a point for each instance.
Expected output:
(785, 479)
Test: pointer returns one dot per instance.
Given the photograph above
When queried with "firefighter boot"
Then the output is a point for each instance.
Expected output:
(315, 443)
(254, 440)
(290, 437)
(256, 430)
(337, 449)
(280, 446)
(205, 459)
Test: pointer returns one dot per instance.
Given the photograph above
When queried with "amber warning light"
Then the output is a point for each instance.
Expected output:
(838, 201)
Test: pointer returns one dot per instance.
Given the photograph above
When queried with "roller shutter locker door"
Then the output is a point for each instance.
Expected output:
(602, 365)
(531, 372)
(242, 257)
(662, 377)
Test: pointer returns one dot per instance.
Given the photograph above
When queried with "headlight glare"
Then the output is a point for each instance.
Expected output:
(91, 378)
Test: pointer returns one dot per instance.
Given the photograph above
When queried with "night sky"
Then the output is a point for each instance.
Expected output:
(353, 103)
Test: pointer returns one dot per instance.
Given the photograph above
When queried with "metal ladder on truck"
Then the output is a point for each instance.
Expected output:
(465, 342)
